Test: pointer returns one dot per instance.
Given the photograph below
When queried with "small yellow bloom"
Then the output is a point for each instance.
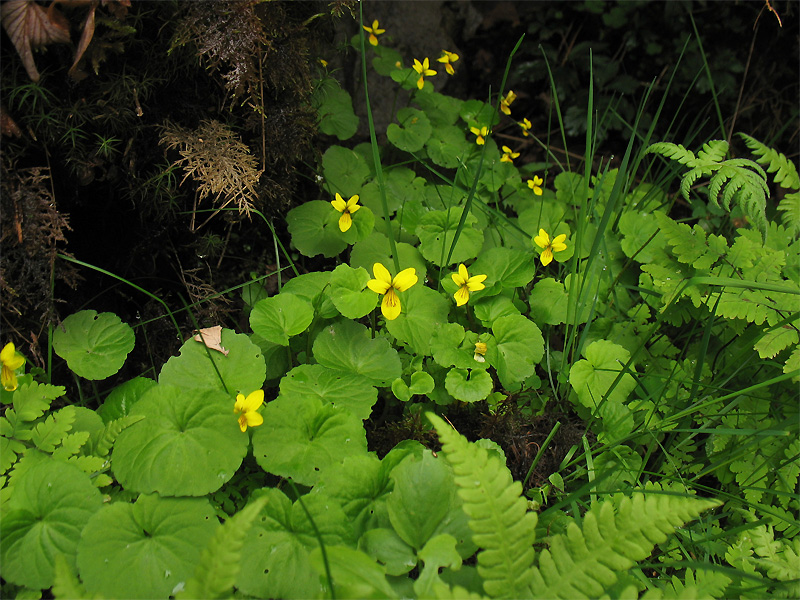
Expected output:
(347, 209)
(508, 155)
(526, 127)
(323, 62)
(11, 361)
(481, 133)
(466, 284)
(384, 284)
(423, 68)
(480, 352)
(373, 32)
(247, 409)
(543, 241)
(448, 58)
(505, 103)
(536, 185)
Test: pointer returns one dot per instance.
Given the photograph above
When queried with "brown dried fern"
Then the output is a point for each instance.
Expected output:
(221, 164)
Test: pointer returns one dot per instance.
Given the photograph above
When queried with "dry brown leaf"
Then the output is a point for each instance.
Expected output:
(212, 338)
(83, 44)
(31, 26)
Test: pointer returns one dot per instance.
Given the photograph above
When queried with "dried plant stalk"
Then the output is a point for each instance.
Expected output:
(214, 157)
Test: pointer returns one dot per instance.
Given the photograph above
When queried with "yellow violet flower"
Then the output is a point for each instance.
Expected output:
(448, 58)
(11, 361)
(373, 32)
(481, 133)
(505, 103)
(347, 209)
(480, 352)
(536, 185)
(384, 284)
(466, 284)
(247, 409)
(526, 127)
(423, 68)
(543, 241)
(508, 155)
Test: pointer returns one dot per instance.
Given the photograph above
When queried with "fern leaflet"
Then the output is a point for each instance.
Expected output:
(616, 534)
(785, 172)
(498, 515)
(738, 178)
(219, 564)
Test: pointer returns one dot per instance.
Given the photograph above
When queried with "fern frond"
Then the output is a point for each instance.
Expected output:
(498, 514)
(715, 151)
(112, 430)
(790, 206)
(785, 171)
(219, 564)
(707, 584)
(615, 535)
(738, 178)
(65, 583)
(673, 151)
(445, 592)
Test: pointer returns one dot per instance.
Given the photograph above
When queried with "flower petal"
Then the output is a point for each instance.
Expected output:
(379, 287)
(253, 401)
(352, 202)
(390, 306)
(345, 221)
(254, 419)
(339, 204)
(461, 296)
(382, 274)
(405, 279)
(546, 257)
(542, 240)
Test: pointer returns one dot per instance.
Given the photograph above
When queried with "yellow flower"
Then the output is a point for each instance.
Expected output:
(323, 62)
(466, 284)
(347, 209)
(448, 58)
(536, 185)
(508, 155)
(481, 133)
(373, 32)
(526, 126)
(505, 103)
(247, 409)
(423, 68)
(384, 284)
(11, 361)
(480, 352)
(543, 241)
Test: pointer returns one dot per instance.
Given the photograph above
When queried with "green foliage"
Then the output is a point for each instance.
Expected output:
(95, 346)
(733, 179)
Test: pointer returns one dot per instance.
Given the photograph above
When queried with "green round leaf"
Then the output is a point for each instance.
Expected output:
(280, 317)
(312, 286)
(335, 109)
(189, 444)
(453, 347)
(505, 269)
(436, 232)
(344, 171)
(274, 356)
(301, 436)
(423, 310)
(94, 345)
(144, 550)
(122, 398)
(468, 386)
(519, 345)
(447, 145)
(492, 308)
(314, 227)
(49, 506)
(549, 301)
(347, 346)
(275, 556)
(349, 292)
(593, 376)
(413, 131)
(346, 392)
(402, 186)
(242, 370)
(376, 249)
(440, 108)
